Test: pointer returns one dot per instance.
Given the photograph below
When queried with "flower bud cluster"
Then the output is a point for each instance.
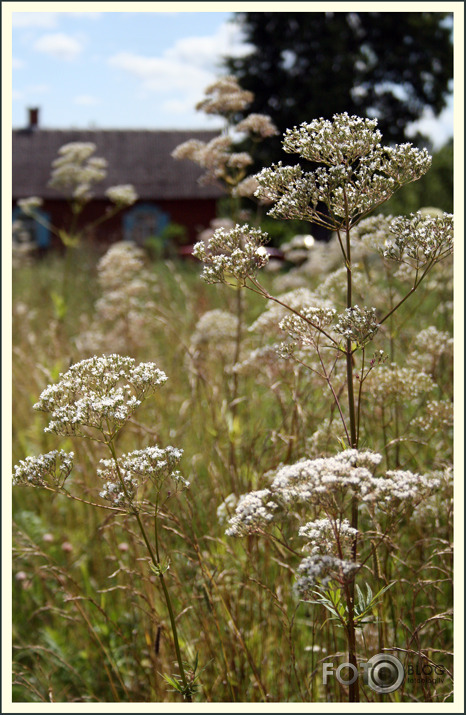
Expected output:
(99, 393)
(225, 97)
(238, 253)
(358, 173)
(124, 476)
(323, 534)
(76, 170)
(253, 513)
(320, 570)
(419, 239)
(46, 470)
(329, 483)
(358, 324)
(122, 195)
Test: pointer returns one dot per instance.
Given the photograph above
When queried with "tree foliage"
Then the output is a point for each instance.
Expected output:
(304, 65)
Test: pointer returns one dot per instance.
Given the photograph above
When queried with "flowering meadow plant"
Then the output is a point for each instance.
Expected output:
(313, 421)
(356, 174)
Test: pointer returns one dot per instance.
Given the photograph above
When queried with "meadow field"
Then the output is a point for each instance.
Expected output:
(241, 467)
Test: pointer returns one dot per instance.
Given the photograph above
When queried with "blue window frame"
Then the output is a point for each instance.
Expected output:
(37, 232)
(144, 221)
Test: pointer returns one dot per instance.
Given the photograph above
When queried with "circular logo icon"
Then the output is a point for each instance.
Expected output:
(385, 673)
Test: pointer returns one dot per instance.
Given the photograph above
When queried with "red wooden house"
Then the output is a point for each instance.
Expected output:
(168, 189)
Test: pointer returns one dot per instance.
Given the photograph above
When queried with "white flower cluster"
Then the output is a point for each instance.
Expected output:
(358, 324)
(329, 483)
(437, 415)
(225, 509)
(420, 239)
(433, 341)
(341, 141)
(100, 393)
(29, 205)
(392, 383)
(216, 157)
(320, 570)
(122, 195)
(297, 299)
(225, 97)
(307, 326)
(51, 469)
(213, 326)
(372, 231)
(322, 535)
(358, 173)
(238, 253)
(76, 170)
(322, 481)
(133, 469)
(254, 511)
(260, 125)
(123, 312)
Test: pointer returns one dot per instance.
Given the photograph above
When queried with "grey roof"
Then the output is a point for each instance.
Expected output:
(138, 157)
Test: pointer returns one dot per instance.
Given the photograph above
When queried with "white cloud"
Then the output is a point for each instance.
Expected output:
(438, 129)
(207, 51)
(34, 19)
(16, 63)
(59, 45)
(48, 20)
(160, 73)
(86, 100)
(190, 65)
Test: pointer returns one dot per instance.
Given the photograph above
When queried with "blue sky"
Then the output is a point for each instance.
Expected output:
(127, 69)
(117, 69)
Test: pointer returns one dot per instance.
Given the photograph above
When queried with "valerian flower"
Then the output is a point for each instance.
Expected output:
(357, 324)
(225, 97)
(419, 239)
(323, 535)
(320, 570)
(45, 470)
(238, 253)
(260, 125)
(329, 483)
(100, 393)
(254, 511)
(125, 475)
(76, 170)
(30, 205)
(358, 173)
(122, 195)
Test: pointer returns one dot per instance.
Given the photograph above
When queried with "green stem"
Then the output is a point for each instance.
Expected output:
(351, 630)
(157, 567)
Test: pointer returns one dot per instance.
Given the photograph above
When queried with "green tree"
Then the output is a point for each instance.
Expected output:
(434, 189)
(388, 65)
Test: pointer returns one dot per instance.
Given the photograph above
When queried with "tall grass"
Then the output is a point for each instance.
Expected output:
(90, 624)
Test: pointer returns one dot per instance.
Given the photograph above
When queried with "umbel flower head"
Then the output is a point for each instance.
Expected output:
(124, 476)
(238, 253)
(46, 470)
(76, 170)
(357, 172)
(100, 393)
(329, 482)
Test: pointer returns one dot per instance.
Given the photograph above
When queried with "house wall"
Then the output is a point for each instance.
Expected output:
(193, 214)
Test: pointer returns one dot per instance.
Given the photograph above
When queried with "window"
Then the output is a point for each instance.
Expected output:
(144, 221)
(29, 231)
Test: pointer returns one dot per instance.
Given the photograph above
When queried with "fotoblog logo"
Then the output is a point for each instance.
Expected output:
(383, 673)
